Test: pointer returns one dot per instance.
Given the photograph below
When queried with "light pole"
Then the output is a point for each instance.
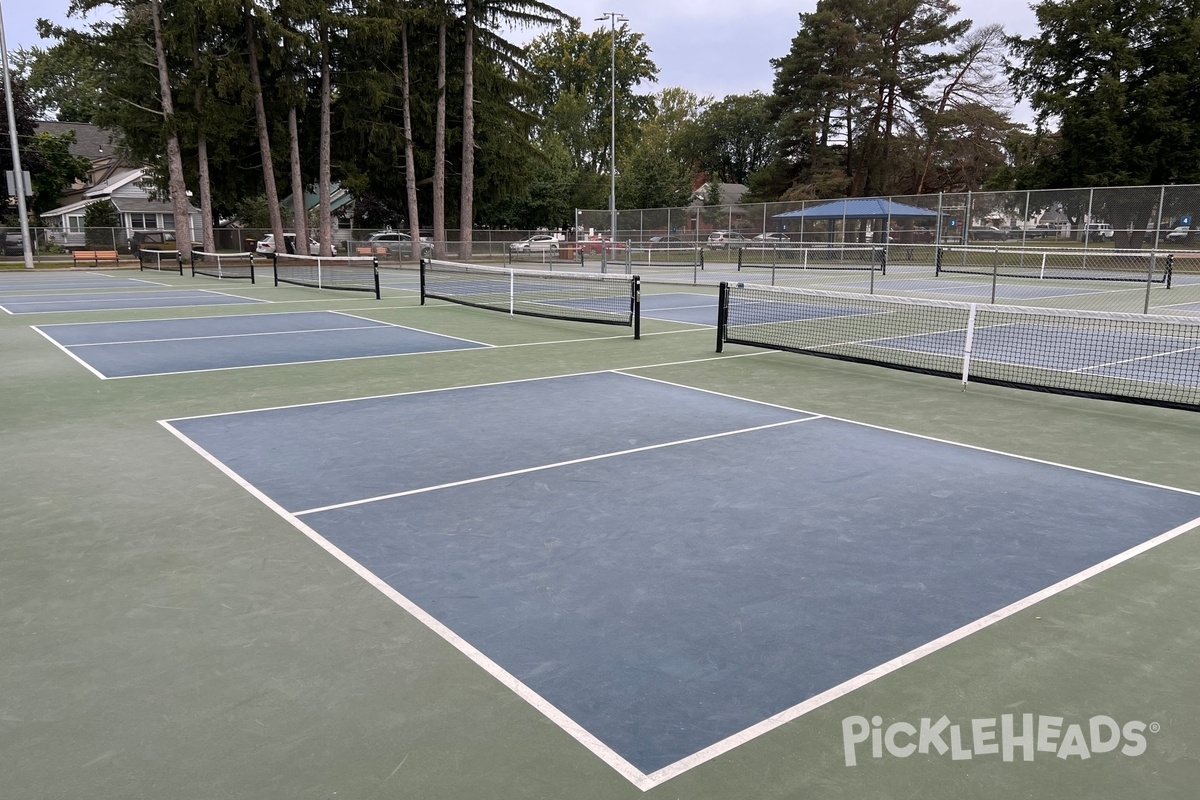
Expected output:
(18, 182)
(613, 17)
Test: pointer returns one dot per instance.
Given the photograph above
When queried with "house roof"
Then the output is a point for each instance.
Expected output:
(858, 208)
(338, 197)
(90, 142)
(116, 182)
(731, 193)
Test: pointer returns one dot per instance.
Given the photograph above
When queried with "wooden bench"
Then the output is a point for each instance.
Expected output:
(95, 257)
(367, 251)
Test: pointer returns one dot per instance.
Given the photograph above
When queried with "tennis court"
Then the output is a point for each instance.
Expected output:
(118, 301)
(606, 602)
(545, 559)
(194, 344)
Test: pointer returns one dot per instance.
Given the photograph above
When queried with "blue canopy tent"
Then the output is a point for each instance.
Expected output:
(876, 209)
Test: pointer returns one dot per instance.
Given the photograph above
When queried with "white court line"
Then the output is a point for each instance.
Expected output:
(247, 334)
(510, 681)
(874, 674)
(543, 467)
(642, 780)
(77, 359)
(410, 328)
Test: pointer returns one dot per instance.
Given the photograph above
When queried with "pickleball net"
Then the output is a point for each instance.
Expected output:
(574, 296)
(223, 265)
(160, 260)
(1134, 266)
(341, 273)
(1141, 358)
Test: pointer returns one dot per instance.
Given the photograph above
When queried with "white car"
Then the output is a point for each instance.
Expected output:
(720, 239)
(266, 244)
(1179, 234)
(534, 244)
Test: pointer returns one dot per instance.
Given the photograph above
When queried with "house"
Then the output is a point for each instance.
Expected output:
(132, 194)
(96, 146)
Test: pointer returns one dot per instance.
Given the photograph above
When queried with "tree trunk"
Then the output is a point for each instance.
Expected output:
(323, 180)
(439, 151)
(410, 167)
(466, 213)
(206, 213)
(264, 140)
(299, 207)
(179, 200)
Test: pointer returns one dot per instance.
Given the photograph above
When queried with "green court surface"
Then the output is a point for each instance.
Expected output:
(166, 634)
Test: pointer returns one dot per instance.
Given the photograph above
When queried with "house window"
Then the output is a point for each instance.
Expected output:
(75, 224)
(141, 221)
(168, 222)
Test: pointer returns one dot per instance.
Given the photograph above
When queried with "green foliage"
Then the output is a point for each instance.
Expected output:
(1123, 80)
(574, 74)
(60, 169)
(854, 82)
(99, 219)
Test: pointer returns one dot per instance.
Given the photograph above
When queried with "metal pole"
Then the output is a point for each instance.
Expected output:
(18, 179)
(613, 17)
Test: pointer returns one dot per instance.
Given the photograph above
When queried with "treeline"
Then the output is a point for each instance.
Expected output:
(433, 119)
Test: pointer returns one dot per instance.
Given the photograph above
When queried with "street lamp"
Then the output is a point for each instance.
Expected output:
(18, 183)
(613, 17)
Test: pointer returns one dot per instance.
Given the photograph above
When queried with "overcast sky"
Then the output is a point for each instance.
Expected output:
(710, 47)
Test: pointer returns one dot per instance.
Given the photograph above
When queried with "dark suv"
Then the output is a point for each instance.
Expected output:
(13, 244)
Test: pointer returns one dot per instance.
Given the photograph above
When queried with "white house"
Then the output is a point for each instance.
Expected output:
(131, 193)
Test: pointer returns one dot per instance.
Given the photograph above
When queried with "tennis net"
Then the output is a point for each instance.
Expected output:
(160, 260)
(223, 265)
(815, 256)
(1138, 358)
(574, 296)
(343, 273)
(1059, 264)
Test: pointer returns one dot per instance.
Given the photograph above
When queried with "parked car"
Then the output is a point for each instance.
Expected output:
(399, 244)
(542, 242)
(772, 238)
(267, 244)
(666, 241)
(988, 233)
(1098, 230)
(14, 245)
(593, 245)
(151, 240)
(720, 239)
(1175, 236)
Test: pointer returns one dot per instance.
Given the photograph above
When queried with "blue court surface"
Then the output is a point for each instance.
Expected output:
(167, 346)
(697, 309)
(675, 571)
(71, 280)
(1147, 357)
(107, 301)
(969, 289)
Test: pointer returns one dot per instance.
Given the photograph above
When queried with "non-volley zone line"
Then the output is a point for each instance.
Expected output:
(195, 344)
(120, 301)
(664, 604)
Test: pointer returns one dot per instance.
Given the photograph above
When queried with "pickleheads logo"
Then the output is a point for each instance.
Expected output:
(1007, 736)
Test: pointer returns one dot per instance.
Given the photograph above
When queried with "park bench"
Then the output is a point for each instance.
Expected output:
(95, 257)
(369, 251)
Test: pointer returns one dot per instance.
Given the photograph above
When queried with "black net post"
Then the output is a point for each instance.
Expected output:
(424, 263)
(275, 266)
(636, 306)
(937, 261)
(722, 314)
